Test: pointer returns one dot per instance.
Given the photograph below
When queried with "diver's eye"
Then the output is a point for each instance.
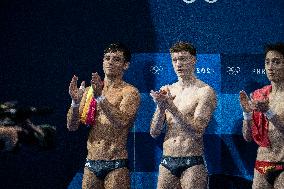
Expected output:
(107, 58)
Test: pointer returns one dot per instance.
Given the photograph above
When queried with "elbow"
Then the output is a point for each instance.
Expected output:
(198, 125)
(247, 133)
(121, 123)
(124, 122)
(72, 127)
(198, 131)
(247, 138)
(154, 134)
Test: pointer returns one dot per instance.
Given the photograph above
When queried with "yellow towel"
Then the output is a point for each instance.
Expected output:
(87, 105)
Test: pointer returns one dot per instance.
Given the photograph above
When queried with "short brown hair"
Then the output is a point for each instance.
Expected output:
(114, 47)
(279, 47)
(183, 46)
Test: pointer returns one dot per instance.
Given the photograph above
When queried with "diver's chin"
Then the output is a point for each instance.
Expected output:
(271, 78)
(180, 73)
(112, 74)
(109, 72)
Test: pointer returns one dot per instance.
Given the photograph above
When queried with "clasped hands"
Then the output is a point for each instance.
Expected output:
(163, 99)
(249, 105)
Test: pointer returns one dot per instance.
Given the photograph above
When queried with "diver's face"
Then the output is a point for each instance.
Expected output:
(183, 63)
(274, 66)
(114, 63)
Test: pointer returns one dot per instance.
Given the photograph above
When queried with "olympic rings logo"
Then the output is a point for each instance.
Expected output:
(156, 69)
(192, 1)
(233, 70)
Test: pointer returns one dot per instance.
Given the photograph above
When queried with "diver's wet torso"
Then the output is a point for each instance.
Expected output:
(107, 141)
(182, 147)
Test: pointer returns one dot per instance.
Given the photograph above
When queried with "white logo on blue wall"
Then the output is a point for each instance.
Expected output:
(211, 1)
(192, 1)
(156, 69)
(189, 1)
(204, 70)
(259, 71)
(233, 70)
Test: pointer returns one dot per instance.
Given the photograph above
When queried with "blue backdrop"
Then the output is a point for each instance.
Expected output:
(43, 43)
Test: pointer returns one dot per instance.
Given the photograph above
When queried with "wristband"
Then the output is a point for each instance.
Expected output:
(82, 88)
(247, 115)
(269, 114)
(74, 105)
(100, 98)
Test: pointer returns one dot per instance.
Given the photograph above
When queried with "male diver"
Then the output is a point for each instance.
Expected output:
(264, 122)
(109, 107)
(186, 106)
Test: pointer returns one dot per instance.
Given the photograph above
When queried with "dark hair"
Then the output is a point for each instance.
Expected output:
(183, 46)
(279, 47)
(114, 47)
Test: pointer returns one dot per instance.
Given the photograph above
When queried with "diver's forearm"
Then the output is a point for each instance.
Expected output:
(157, 122)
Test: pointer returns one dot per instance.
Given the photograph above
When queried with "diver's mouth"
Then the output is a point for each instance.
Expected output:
(179, 70)
(109, 68)
(271, 74)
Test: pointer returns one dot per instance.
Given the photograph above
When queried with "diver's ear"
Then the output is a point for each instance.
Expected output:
(126, 65)
(194, 59)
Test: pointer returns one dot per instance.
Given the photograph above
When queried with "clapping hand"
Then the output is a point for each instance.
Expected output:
(249, 105)
(75, 92)
(97, 84)
(162, 98)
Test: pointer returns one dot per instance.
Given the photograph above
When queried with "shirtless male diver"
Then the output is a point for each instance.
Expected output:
(109, 107)
(264, 122)
(187, 107)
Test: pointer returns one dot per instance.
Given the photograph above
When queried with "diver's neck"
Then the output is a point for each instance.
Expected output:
(277, 87)
(187, 81)
(112, 81)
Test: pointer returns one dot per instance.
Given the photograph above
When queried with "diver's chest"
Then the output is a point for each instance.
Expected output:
(114, 96)
(186, 101)
(278, 107)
